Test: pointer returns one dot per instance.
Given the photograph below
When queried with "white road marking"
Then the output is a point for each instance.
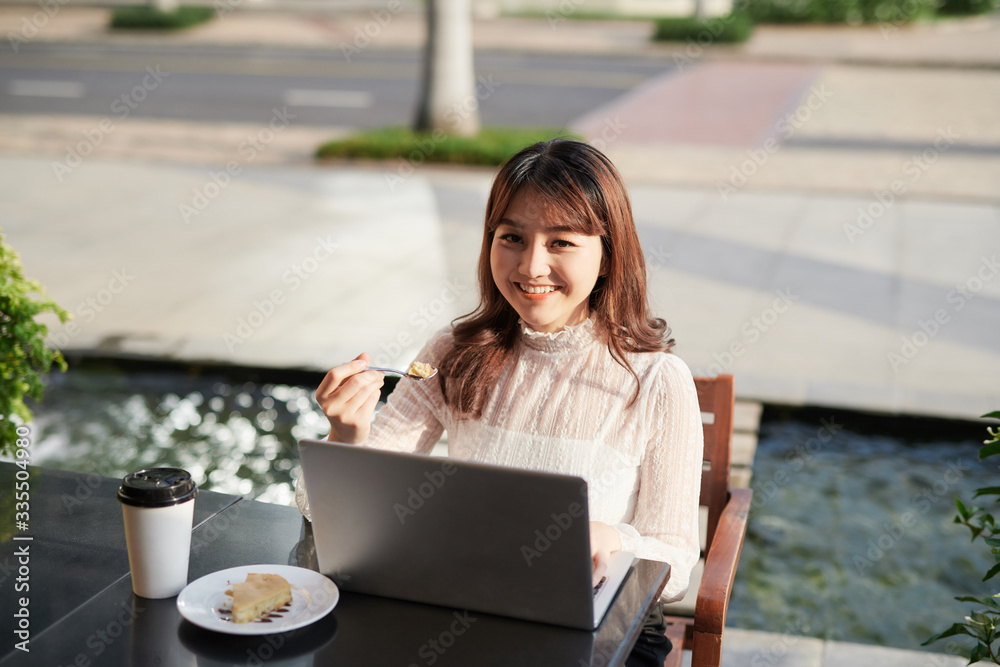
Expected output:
(23, 88)
(352, 99)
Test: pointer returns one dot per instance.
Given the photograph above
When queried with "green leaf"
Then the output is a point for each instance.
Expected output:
(993, 572)
(23, 354)
(991, 415)
(987, 491)
(962, 509)
(955, 629)
(989, 450)
(987, 602)
(992, 541)
(981, 652)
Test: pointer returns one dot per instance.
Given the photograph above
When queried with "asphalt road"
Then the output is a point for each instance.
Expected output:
(246, 84)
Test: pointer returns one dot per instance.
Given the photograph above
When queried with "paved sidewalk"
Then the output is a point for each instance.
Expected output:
(307, 266)
(746, 648)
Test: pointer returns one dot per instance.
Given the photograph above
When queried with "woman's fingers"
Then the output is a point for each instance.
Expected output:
(600, 566)
(348, 396)
(352, 394)
(604, 541)
(338, 374)
(358, 391)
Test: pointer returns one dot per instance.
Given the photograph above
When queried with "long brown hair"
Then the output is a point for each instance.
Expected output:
(583, 182)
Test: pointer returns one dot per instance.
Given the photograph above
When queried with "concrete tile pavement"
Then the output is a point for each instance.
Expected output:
(897, 132)
(745, 648)
(308, 266)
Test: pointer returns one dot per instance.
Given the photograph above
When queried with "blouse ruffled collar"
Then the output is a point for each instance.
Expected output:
(567, 339)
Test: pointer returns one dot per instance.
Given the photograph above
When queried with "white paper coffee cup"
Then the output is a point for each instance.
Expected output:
(158, 509)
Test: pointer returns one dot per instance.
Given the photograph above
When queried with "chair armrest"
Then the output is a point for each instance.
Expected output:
(720, 564)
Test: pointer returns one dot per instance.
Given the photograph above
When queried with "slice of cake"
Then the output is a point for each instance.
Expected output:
(259, 596)
(420, 369)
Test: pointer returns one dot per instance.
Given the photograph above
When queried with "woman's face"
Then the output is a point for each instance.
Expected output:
(544, 270)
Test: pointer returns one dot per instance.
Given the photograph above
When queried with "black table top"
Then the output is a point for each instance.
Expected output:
(82, 610)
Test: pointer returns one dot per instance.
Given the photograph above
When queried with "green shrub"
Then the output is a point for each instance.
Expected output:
(23, 354)
(839, 11)
(960, 7)
(150, 18)
(731, 28)
(490, 147)
(982, 625)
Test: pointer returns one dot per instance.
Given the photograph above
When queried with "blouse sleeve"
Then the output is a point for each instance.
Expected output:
(665, 523)
(415, 415)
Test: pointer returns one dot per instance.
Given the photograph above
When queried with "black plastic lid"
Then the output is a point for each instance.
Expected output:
(157, 487)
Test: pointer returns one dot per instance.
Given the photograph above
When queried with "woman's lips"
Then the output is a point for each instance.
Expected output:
(537, 292)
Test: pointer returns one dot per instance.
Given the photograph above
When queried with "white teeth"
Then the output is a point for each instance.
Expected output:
(543, 289)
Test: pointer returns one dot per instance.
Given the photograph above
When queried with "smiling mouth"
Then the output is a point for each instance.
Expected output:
(537, 289)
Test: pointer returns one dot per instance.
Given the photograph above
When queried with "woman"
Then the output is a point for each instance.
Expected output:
(560, 368)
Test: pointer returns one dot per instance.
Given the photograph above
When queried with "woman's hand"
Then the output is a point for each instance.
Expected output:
(348, 395)
(604, 541)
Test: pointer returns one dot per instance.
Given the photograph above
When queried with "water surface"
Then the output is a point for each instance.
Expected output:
(851, 535)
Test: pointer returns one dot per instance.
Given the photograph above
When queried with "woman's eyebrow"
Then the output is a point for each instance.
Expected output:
(558, 229)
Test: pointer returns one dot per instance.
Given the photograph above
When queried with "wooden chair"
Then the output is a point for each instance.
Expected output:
(726, 527)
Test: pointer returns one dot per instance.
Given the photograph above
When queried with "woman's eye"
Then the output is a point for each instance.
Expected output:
(562, 243)
(510, 238)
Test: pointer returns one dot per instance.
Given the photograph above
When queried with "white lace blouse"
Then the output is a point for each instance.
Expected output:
(561, 407)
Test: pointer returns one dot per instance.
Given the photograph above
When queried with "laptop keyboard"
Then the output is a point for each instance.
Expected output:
(600, 585)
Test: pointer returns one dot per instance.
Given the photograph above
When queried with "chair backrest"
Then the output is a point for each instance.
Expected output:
(717, 398)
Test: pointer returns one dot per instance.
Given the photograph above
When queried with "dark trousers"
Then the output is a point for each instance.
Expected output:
(652, 647)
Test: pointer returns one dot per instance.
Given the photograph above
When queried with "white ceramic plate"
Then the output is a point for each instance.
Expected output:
(202, 601)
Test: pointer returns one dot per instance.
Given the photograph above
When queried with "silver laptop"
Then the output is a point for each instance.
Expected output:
(465, 535)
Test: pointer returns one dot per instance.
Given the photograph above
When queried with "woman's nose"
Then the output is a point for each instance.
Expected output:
(535, 261)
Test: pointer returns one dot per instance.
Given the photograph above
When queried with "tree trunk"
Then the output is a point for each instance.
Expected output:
(448, 99)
